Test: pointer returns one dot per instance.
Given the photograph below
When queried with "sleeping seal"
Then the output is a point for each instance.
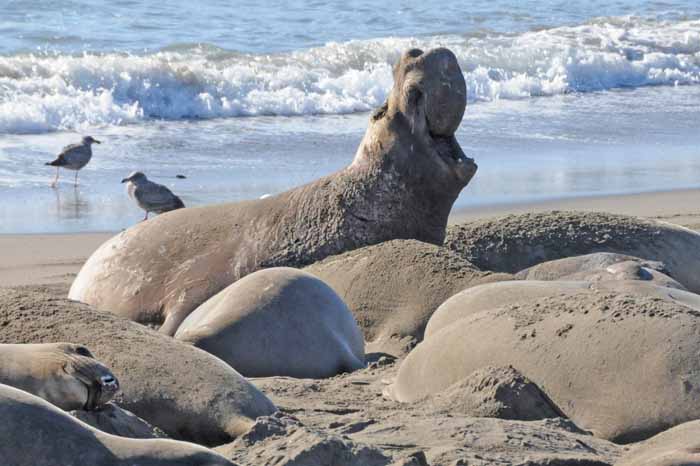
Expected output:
(64, 374)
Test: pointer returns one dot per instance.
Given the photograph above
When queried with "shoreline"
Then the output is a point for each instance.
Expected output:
(56, 258)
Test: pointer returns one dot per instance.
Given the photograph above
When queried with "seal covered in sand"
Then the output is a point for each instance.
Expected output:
(394, 287)
(64, 374)
(406, 174)
(515, 242)
(278, 321)
(186, 392)
(618, 358)
(36, 433)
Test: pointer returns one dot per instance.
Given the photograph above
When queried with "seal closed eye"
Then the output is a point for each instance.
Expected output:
(64, 374)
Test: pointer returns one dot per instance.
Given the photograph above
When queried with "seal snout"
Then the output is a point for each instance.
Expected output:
(109, 382)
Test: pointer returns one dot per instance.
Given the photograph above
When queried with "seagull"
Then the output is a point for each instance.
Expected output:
(74, 157)
(150, 196)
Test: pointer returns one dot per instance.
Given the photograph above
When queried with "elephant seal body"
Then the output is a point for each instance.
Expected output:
(679, 446)
(36, 433)
(394, 287)
(64, 374)
(618, 360)
(600, 266)
(184, 391)
(278, 322)
(406, 174)
(515, 242)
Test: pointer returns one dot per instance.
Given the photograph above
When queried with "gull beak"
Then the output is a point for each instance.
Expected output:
(124, 180)
(95, 140)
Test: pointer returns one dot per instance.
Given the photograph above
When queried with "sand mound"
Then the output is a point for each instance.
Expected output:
(500, 392)
(283, 441)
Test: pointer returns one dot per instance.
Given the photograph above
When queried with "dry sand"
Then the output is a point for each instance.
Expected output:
(352, 404)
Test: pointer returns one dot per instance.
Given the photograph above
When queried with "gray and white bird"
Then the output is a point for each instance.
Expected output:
(74, 157)
(150, 196)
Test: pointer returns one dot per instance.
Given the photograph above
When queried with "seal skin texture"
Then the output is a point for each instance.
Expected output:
(64, 374)
(278, 322)
(36, 433)
(406, 174)
(583, 344)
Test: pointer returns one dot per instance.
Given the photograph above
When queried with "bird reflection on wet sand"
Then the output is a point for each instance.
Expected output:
(71, 204)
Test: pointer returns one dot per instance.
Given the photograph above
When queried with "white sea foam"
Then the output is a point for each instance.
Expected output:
(40, 93)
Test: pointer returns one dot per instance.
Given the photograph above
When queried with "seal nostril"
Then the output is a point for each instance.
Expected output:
(109, 381)
(83, 351)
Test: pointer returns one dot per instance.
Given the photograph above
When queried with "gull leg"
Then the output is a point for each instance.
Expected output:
(76, 178)
(146, 217)
(55, 180)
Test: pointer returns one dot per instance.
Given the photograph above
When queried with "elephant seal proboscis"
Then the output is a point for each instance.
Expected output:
(65, 374)
(406, 174)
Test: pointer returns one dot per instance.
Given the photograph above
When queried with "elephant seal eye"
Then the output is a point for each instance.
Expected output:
(83, 351)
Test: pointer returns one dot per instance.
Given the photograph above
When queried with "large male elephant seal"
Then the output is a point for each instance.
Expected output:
(515, 242)
(406, 174)
(278, 321)
(186, 392)
(36, 433)
(618, 358)
(64, 374)
(394, 287)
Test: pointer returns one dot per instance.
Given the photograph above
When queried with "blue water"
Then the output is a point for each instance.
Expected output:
(256, 97)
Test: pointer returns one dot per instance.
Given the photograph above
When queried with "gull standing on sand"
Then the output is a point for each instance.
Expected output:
(150, 196)
(74, 157)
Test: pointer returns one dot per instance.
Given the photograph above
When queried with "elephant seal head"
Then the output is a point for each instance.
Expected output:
(98, 380)
(414, 130)
(65, 374)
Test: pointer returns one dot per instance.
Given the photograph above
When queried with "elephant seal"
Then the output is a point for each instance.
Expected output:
(515, 242)
(64, 374)
(394, 287)
(406, 174)
(117, 421)
(278, 322)
(679, 446)
(618, 358)
(36, 433)
(186, 392)
(600, 266)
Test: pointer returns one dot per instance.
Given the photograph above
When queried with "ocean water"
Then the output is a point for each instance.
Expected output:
(251, 98)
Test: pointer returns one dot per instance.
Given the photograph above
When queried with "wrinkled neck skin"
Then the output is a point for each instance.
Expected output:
(388, 192)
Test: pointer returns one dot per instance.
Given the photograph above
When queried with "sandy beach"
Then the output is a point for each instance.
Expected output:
(351, 406)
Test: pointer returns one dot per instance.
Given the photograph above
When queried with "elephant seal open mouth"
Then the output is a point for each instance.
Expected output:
(65, 374)
(406, 174)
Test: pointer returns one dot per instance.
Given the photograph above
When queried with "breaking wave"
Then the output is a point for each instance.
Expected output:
(49, 92)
